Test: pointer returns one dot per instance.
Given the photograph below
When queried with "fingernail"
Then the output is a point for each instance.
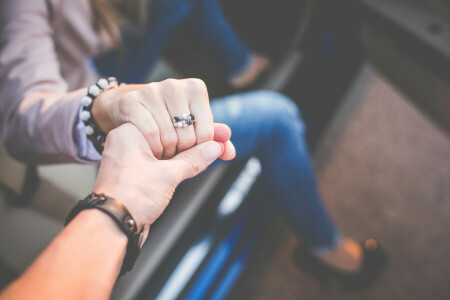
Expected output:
(212, 151)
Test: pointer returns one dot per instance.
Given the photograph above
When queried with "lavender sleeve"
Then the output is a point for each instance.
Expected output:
(85, 147)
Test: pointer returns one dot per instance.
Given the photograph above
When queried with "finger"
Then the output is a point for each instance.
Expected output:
(191, 162)
(140, 117)
(222, 132)
(177, 105)
(126, 140)
(229, 152)
(154, 102)
(201, 109)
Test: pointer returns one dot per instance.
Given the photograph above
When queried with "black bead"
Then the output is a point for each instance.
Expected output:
(129, 222)
(177, 119)
(192, 117)
(100, 138)
(189, 122)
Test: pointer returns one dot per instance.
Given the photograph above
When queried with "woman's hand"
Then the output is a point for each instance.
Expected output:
(151, 108)
(130, 173)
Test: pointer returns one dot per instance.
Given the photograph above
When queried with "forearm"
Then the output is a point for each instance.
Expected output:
(82, 262)
(40, 129)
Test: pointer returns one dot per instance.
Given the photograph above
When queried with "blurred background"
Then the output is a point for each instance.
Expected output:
(372, 80)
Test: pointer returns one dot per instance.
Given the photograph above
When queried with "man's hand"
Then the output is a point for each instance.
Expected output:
(83, 261)
(130, 172)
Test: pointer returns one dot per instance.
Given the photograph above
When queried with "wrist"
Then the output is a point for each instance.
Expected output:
(94, 218)
(127, 198)
(121, 216)
(102, 110)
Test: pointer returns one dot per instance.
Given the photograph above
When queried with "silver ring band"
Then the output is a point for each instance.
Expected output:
(184, 121)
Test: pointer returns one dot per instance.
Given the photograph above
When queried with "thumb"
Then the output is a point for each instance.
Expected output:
(195, 160)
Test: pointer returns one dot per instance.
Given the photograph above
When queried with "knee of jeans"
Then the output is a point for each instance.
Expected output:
(284, 112)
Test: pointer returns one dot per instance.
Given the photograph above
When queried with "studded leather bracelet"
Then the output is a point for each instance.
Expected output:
(120, 214)
(93, 131)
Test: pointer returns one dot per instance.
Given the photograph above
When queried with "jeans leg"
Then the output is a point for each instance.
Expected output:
(141, 51)
(215, 32)
(268, 125)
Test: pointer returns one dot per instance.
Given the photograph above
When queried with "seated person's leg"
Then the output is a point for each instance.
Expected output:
(238, 62)
(268, 125)
(140, 51)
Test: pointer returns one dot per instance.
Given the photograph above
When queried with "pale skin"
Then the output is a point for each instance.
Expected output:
(151, 108)
(84, 260)
(257, 65)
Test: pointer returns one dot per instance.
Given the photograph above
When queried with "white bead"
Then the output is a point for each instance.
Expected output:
(86, 101)
(103, 83)
(180, 124)
(175, 124)
(112, 78)
(185, 125)
(185, 116)
(94, 90)
(85, 115)
(89, 130)
(122, 84)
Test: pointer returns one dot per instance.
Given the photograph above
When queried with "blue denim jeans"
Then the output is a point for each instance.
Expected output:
(203, 17)
(268, 125)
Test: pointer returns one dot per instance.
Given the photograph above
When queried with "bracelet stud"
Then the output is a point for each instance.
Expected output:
(94, 90)
(85, 115)
(86, 101)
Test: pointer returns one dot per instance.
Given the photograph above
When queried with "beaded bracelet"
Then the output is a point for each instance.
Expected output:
(93, 131)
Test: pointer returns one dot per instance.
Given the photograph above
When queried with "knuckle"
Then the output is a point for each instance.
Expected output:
(170, 87)
(192, 165)
(152, 133)
(170, 83)
(206, 134)
(197, 82)
(169, 140)
(200, 86)
(150, 90)
(152, 86)
(157, 150)
(195, 167)
(129, 98)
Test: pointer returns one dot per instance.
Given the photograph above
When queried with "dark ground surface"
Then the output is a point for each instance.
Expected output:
(388, 177)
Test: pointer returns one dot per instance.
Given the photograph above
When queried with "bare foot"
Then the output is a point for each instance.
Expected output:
(347, 257)
(257, 65)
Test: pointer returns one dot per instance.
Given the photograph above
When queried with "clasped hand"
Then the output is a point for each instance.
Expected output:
(151, 108)
(130, 170)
